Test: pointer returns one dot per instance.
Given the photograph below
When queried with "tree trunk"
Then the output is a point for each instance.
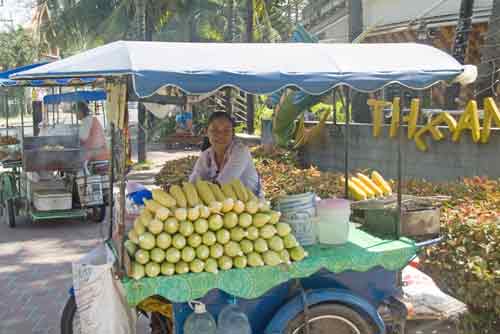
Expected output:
(250, 97)
(231, 20)
(459, 50)
(486, 86)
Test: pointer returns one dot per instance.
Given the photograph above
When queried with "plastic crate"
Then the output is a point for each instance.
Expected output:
(91, 189)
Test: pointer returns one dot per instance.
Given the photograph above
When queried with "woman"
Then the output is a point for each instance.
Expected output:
(224, 158)
(91, 135)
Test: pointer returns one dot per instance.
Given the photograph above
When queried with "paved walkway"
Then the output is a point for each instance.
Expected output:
(35, 264)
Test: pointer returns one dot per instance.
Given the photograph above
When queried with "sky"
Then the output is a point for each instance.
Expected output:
(17, 10)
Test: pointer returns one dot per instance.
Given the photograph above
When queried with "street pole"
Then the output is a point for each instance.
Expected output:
(250, 97)
(140, 13)
(464, 26)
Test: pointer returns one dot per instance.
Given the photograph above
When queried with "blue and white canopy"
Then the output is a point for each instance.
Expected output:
(198, 68)
(84, 96)
(6, 82)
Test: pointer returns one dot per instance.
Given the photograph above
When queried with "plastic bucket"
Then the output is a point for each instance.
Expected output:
(333, 222)
(299, 211)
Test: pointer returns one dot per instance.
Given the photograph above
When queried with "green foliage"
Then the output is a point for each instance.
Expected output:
(17, 48)
(469, 262)
(321, 107)
(78, 25)
(261, 112)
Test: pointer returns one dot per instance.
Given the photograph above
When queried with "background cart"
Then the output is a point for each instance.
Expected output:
(47, 178)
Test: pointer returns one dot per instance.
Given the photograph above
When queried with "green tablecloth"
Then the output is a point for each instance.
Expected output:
(361, 253)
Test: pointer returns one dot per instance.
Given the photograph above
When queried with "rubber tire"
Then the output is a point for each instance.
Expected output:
(98, 214)
(9, 213)
(345, 312)
(68, 316)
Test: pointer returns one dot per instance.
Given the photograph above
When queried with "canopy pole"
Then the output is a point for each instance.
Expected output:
(53, 109)
(22, 120)
(334, 99)
(400, 163)
(111, 179)
(58, 105)
(7, 114)
(347, 93)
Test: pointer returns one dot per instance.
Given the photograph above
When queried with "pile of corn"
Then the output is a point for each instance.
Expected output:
(203, 227)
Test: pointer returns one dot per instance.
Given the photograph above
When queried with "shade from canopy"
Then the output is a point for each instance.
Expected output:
(257, 68)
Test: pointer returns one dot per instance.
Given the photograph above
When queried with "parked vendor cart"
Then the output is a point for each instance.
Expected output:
(341, 287)
(46, 175)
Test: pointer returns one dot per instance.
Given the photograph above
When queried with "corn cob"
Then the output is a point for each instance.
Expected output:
(191, 194)
(240, 190)
(370, 184)
(228, 191)
(356, 192)
(205, 192)
(163, 198)
(152, 205)
(219, 195)
(145, 217)
(162, 214)
(251, 195)
(379, 180)
(369, 193)
(178, 194)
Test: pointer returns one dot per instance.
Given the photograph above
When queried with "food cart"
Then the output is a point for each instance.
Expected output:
(343, 287)
(46, 178)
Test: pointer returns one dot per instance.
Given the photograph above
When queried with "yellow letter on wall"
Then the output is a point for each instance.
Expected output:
(413, 117)
(435, 132)
(491, 114)
(377, 114)
(468, 120)
(395, 118)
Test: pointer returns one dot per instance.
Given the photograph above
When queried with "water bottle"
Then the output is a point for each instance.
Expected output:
(200, 321)
(233, 320)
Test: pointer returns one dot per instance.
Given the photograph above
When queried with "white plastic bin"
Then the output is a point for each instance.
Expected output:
(299, 211)
(333, 222)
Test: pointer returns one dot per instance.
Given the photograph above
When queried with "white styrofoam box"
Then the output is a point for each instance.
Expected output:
(47, 200)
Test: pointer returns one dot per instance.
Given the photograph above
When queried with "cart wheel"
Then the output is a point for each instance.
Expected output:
(98, 213)
(70, 322)
(9, 213)
(325, 317)
(159, 324)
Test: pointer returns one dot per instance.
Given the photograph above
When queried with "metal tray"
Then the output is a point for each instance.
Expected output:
(384, 222)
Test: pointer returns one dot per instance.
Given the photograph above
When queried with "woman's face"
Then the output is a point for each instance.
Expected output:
(220, 132)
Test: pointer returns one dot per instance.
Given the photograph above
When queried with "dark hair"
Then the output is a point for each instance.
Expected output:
(83, 108)
(213, 117)
(220, 115)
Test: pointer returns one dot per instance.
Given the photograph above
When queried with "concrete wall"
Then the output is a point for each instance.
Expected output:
(444, 160)
(382, 12)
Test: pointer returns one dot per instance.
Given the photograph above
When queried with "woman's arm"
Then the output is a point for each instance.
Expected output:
(200, 169)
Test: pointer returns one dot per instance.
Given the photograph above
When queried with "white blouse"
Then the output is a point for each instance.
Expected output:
(238, 165)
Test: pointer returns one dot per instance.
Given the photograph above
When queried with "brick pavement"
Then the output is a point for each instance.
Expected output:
(35, 266)
(35, 272)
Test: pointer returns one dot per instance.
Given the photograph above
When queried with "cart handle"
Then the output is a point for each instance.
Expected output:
(427, 243)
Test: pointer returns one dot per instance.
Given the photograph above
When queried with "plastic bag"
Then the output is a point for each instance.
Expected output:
(426, 300)
(100, 299)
